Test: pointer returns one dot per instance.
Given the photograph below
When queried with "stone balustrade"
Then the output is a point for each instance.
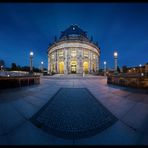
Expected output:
(18, 81)
(136, 81)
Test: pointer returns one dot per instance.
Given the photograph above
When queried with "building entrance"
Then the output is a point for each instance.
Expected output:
(73, 66)
(85, 67)
(61, 67)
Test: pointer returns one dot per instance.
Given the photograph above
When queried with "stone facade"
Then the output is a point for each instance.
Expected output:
(73, 52)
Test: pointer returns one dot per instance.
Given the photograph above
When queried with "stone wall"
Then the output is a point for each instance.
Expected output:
(128, 81)
(20, 81)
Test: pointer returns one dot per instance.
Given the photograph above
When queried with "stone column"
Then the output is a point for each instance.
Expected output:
(89, 62)
(65, 61)
(82, 61)
(49, 65)
(68, 61)
(56, 62)
(78, 61)
(98, 63)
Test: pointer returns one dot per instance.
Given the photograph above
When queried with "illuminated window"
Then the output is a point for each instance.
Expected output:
(61, 54)
(73, 53)
(52, 56)
(85, 53)
(94, 56)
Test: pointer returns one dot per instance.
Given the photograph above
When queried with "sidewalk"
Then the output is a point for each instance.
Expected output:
(17, 106)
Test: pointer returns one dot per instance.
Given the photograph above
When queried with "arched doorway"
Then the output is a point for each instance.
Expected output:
(85, 67)
(61, 67)
(73, 66)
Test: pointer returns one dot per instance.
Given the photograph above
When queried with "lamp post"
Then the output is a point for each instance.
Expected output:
(115, 58)
(104, 68)
(31, 57)
(42, 66)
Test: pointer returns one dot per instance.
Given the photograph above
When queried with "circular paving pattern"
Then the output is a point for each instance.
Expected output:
(73, 113)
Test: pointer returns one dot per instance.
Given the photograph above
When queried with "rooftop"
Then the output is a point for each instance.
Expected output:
(73, 30)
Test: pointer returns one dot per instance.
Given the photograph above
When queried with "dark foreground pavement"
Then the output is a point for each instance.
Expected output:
(39, 115)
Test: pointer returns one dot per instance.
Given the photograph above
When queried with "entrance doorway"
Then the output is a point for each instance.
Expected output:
(73, 66)
(85, 67)
(61, 67)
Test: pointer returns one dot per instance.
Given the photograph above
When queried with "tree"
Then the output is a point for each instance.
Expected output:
(13, 66)
(36, 69)
(19, 68)
(2, 63)
(118, 69)
(25, 68)
(124, 69)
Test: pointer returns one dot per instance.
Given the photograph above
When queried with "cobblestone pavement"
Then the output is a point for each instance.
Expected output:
(73, 113)
(17, 106)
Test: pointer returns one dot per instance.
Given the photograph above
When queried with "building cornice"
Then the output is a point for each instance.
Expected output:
(78, 43)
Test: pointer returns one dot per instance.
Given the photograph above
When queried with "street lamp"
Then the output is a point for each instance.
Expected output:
(42, 66)
(115, 58)
(105, 68)
(31, 57)
(140, 67)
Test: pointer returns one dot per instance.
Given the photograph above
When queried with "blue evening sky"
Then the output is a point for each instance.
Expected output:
(116, 26)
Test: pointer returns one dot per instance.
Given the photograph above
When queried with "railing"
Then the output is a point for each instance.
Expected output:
(18, 81)
(129, 80)
(18, 73)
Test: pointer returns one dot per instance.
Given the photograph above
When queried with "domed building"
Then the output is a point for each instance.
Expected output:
(73, 52)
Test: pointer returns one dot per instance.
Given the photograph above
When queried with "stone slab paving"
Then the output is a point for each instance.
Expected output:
(18, 105)
(26, 109)
(138, 117)
(117, 134)
(73, 113)
(9, 118)
(28, 134)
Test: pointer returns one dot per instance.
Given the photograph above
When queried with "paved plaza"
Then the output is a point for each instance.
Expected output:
(73, 113)
(92, 102)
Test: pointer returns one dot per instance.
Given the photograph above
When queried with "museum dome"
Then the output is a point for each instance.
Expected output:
(73, 30)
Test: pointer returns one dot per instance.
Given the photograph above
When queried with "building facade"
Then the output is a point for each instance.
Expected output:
(73, 52)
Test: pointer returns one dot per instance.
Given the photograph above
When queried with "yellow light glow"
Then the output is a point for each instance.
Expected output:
(85, 67)
(61, 67)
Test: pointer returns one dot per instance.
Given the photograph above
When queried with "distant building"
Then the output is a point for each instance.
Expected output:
(137, 70)
(73, 52)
